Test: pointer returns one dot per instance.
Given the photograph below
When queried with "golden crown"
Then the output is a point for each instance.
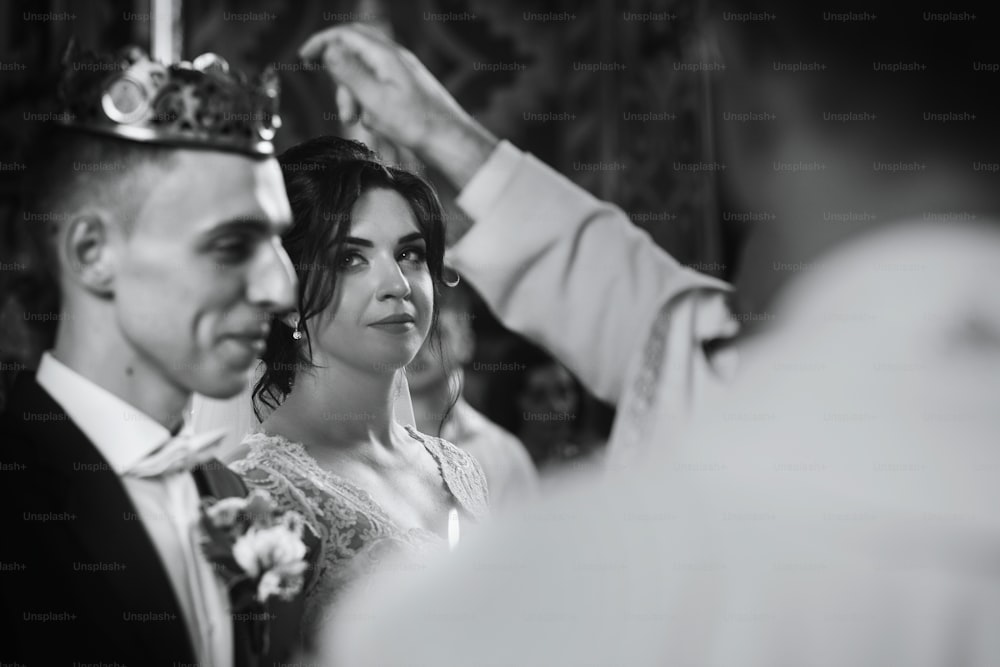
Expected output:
(199, 104)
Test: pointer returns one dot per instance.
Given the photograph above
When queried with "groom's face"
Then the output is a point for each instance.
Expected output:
(203, 271)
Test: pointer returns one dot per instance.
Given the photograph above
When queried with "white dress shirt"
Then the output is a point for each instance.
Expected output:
(167, 505)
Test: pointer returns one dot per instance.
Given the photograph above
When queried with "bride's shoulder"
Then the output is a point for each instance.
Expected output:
(255, 442)
(261, 453)
(436, 443)
(456, 464)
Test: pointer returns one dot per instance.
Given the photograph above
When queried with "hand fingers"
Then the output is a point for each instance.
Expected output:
(353, 59)
(313, 47)
(380, 37)
(361, 39)
(376, 34)
(366, 121)
(348, 109)
(356, 75)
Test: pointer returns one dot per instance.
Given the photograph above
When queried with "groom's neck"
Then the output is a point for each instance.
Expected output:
(110, 363)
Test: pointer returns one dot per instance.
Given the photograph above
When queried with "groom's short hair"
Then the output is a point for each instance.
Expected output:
(70, 170)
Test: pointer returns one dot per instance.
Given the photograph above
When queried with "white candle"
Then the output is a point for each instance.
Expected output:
(453, 528)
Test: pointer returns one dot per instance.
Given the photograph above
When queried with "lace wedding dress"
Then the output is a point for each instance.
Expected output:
(354, 532)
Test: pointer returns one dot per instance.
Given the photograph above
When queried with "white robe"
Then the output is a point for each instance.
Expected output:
(835, 505)
(575, 275)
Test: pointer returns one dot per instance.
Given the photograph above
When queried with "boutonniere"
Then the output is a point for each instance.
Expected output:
(258, 551)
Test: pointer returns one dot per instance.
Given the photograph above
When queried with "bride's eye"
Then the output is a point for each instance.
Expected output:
(414, 254)
(349, 260)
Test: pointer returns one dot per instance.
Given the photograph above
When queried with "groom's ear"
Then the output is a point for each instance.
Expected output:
(88, 256)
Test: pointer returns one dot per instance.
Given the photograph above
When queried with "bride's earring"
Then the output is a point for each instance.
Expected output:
(297, 334)
(449, 276)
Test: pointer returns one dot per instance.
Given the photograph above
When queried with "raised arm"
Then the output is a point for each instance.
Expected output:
(554, 263)
(393, 94)
(564, 268)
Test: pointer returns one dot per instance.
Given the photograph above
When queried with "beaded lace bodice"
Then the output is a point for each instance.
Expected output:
(354, 532)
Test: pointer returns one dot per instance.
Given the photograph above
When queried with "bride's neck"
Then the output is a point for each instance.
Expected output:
(338, 406)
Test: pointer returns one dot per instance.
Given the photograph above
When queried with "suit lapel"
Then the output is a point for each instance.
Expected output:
(107, 528)
(215, 480)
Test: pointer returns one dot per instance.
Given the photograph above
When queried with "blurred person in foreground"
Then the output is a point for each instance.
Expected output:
(159, 213)
(436, 379)
(835, 504)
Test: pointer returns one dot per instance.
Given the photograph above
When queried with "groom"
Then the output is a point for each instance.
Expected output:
(163, 209)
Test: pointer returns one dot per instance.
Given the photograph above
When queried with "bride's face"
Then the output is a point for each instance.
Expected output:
(382, 307)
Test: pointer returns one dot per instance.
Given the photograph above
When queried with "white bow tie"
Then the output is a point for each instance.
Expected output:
(179, 454)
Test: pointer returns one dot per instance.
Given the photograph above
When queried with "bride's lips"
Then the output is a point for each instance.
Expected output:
(396, 323)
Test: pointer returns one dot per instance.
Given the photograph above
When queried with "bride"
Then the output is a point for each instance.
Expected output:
(367, 243)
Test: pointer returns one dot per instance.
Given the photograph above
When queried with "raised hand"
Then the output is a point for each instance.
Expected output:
(391, 92)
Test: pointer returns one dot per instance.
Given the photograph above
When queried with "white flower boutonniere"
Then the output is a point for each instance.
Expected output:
(259, 552)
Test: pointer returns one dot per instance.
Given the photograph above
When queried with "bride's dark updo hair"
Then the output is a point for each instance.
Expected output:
(324, 178)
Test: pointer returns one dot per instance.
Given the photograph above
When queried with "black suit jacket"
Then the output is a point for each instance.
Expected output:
(81, 579)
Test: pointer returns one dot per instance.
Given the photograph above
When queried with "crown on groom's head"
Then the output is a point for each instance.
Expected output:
(199, 104)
